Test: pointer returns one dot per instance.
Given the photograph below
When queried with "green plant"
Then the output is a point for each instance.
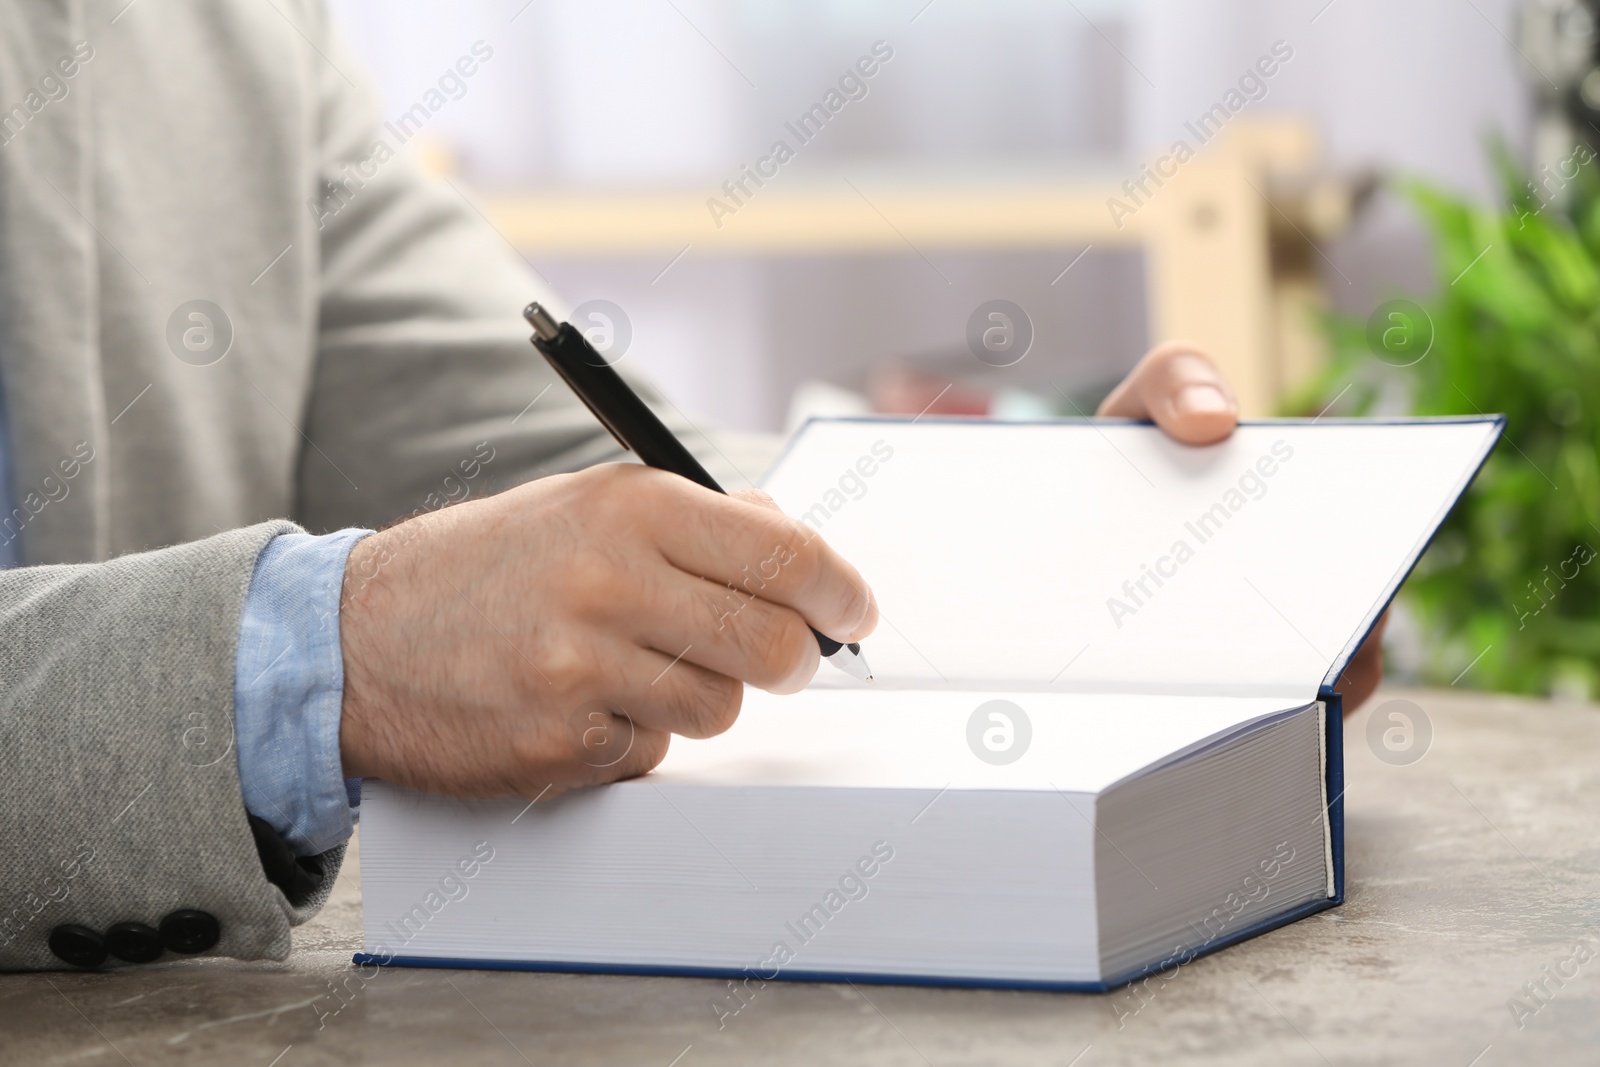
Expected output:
(1515, 329)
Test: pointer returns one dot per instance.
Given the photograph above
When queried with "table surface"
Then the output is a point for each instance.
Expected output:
(1470, 871)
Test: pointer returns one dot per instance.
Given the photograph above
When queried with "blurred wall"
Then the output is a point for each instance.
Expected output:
(1414, 88)
(682, 92)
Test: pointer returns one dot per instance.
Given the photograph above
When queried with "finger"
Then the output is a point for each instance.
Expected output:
(609, 749)
(726, 631)
(648, 750)
(761, 498)
(666, 693)
(763, 553)
(1178, 387)
(584, 746)
(1365, 672)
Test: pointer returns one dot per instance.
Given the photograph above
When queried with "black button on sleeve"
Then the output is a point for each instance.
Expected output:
(298, 876)
(133, 942)
(190, 931)
(78, 945)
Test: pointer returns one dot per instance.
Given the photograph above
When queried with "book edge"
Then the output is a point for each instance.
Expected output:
(872, 978)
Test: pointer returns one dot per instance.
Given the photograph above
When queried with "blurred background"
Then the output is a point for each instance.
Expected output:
(994, 206)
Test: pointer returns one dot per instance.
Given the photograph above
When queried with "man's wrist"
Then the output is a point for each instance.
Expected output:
(365, 585)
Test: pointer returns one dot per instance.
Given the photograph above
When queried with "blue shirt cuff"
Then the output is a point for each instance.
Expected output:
(289, 692)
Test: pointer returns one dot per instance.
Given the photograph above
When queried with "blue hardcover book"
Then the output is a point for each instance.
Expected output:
(1104, 738)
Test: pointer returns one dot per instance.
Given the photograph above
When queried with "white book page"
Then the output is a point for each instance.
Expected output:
(923, 740)
(1104, 557)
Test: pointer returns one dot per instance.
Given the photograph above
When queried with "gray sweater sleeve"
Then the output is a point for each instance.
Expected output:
(119, 797)
(119, 790)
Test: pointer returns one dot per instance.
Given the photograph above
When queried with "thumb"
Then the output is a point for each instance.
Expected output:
(1178, 387)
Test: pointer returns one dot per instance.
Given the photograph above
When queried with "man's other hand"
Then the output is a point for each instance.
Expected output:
(558, 634)
(1178, 387)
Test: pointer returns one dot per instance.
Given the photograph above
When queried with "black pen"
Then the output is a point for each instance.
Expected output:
(637, 429)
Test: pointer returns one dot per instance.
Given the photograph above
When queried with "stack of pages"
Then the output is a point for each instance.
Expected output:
(1103, 740)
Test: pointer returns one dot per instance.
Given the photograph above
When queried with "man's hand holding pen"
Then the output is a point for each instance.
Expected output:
(557, 634)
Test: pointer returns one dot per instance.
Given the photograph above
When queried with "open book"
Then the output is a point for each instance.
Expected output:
(1104, 738)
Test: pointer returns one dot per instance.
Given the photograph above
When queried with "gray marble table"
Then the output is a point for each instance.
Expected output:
(1471, 871)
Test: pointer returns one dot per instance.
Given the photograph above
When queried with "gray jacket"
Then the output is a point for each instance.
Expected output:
(369, 339)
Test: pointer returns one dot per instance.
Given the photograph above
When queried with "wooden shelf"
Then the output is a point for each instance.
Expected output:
(1207, 234)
